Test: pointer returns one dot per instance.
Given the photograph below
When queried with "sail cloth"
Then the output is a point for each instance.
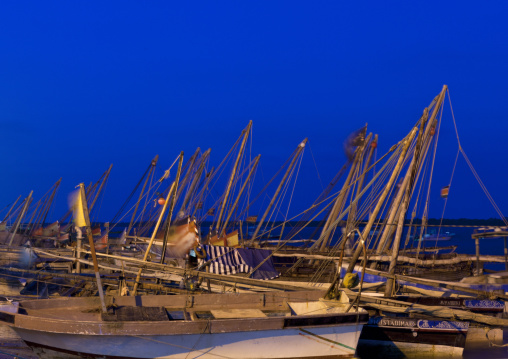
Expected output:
(51, 230)
(76, 204)
(227, 260)
(102, 242)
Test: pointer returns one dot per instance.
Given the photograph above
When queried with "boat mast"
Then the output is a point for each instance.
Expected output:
(106, 176)
(41, 217)
(52, 197)
(382, 198)
(86, 217)
(395, 207)
(299, 149)
(339, 202)
(195, 180)
(410, 180)
(171, 207)
(223, 231)
(11, 209)
(186, 178)
(245, 133)
(354, 206)
(35, 212)
(439, 103)
(154, 233)
(21, 215)
(208, 178)
(152, 168)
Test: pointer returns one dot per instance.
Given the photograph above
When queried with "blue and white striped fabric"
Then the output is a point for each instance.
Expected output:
(228, 260)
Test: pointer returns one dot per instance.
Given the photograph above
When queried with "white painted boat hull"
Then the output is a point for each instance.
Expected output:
(245, 326)
(333, 341)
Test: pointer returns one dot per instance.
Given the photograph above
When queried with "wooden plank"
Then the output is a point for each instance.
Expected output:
(181, 271)
(254, 324)
(137, 314)
(237, 313)
(438, 284)
(397, 306)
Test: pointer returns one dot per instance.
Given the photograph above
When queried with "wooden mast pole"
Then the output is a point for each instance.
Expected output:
(339, 203)
(152, 167)
(35, 213)
(395, 208)
(138, 276)
(196, 178)
(300, 148)
(410, 180)
(396, 212)
(106, 176)
(256, 160)
(374, 214)
(92, 246)
(354, 207)
(208, 178)
(233, 172)
(437, 106)
(41, 217)
(371, 182)
(50, 201)
(11, 209)
(22, 214)
(171, 207)
(186, 178)
(322, 242)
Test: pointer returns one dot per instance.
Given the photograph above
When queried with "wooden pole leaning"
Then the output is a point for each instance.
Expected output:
(253, 169)
(171, 207)
(92, 246)
(300, 148)
(28, 200)
(376, 210)
(245, 132)
(138, 276)
(152, 168)
(11, 209)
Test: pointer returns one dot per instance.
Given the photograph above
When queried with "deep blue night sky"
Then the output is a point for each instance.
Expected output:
(87, 84)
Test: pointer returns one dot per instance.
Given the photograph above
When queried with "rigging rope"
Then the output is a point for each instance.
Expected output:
(132, 194)
(484, 188)
(315, 165)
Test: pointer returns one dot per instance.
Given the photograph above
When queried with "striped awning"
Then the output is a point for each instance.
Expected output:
(228, 260)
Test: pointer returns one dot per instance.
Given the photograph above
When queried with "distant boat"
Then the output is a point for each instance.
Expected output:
(434, 236)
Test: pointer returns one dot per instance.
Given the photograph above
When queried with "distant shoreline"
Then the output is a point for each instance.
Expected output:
(430, 221)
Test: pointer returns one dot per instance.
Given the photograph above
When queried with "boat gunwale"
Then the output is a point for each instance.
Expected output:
(177, 327)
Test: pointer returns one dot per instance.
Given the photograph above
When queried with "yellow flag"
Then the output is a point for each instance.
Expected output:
(76, 204)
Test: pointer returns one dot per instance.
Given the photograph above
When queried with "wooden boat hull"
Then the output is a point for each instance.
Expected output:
(393, 337)
(330, 342)
(261, 325)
